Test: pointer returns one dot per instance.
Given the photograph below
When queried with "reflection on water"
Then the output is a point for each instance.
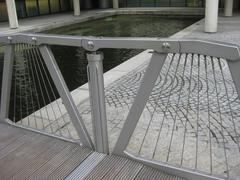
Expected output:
(72, 61)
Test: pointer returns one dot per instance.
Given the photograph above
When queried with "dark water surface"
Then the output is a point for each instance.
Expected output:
(27, 97)
(72, 61)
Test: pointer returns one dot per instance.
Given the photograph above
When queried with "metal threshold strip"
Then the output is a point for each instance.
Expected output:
(100, 166)
(86, 167)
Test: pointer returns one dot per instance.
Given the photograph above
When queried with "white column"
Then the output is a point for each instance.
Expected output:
(76, 7)
(12, 14)
(211, 16)
(228, 8)
(115, 4)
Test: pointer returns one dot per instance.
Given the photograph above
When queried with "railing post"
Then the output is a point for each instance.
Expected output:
(97, 96)
(6, 81)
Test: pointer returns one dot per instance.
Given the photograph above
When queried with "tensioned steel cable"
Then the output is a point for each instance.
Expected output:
(20, 89)
(177, 106)
(187, 111)
(155, 105)
(43, 67)
(220, 116)
(41, 88)
(37, 80)
(152, 104)
(44, 88)
(164, 112)
(24, 73)
(198, 109)
(15, 89)
(32, 84)
(30, 87)
(210, 124)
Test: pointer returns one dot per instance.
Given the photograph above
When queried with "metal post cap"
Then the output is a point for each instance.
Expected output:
(95, 56)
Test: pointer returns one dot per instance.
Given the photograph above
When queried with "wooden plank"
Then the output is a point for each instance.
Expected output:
(26, 154)
(55, 162)
(102, 168)
(6, 140)
(23, 155)
(147, 173)
(40, 160)
(118, 168)
(115, 168)
(14, 145)
(129, 171)
(8, 134)
(70, 164)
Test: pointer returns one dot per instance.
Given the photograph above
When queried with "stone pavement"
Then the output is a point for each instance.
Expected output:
(192, 118)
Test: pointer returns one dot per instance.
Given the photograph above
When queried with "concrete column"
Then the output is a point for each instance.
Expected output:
(228, 8)
(12, 14)
(104, 4)
(115, 4)
(76, 7)
(211, 16)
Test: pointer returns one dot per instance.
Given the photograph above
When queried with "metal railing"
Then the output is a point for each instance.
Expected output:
(35, 48)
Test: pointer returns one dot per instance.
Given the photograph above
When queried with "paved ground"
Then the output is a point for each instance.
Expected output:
(192, 117)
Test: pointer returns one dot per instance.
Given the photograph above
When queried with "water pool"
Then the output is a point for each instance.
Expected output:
(72, 61)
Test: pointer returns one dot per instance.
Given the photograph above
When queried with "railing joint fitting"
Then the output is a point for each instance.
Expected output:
(34, 39)
(89, 45)
(9, 39)
(166, 47)
(95, 56)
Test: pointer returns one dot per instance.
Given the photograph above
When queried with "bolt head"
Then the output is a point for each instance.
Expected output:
(90, 44)
(34, 38)
(166, 46)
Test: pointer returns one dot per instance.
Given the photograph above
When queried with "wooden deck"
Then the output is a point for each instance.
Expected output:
(29, 155)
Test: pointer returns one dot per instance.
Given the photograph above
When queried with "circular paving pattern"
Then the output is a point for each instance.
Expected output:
(191, 118)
